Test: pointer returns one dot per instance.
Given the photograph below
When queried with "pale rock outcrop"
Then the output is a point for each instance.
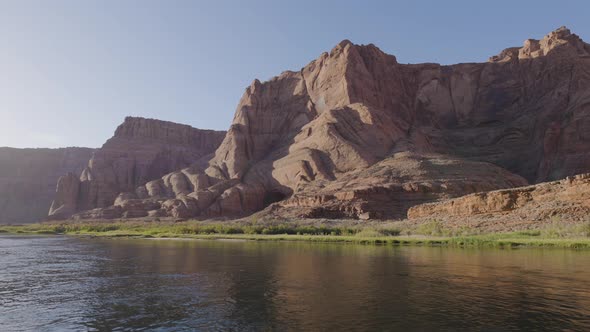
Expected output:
(558, 41)
(65, 202)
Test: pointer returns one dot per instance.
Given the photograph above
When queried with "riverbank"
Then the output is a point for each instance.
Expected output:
(387, 233)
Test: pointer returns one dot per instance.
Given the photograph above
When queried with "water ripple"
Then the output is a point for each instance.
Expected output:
(62, 284)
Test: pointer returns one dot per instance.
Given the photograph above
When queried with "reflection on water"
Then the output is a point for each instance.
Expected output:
(60, 283)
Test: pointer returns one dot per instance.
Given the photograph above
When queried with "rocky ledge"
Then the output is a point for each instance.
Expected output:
(565, 201)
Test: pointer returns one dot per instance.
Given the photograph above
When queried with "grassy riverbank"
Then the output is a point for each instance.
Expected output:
(364, 233)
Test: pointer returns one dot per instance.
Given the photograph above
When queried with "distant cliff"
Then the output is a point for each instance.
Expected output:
(28, 180)
(141, 150)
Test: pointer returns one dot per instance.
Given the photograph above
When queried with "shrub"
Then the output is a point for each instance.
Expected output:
(369, 233)
(278, 229)
(530, 233)
(556, 229)
(433, 227)
(585, 229)
(390, 231)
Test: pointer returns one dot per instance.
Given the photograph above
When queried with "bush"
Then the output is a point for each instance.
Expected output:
(433, 227)
(585, 229)
(369, 233)
(390, 231)
(556, 230)
(530, 233)
(279, 229)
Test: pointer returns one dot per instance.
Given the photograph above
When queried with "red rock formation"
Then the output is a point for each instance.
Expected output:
(141, 150)
(28, 178)
(356, 134)
(388, 188)
(567, 201)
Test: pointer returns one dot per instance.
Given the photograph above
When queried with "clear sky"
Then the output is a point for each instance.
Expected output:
(70, 71)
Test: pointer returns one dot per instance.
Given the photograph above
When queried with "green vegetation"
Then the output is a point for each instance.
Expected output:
(432, 233)
(157, 229)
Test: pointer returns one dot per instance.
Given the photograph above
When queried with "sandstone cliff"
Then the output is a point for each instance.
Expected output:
(28, 178)
(564, 201)
(141, 150)
(357, 134)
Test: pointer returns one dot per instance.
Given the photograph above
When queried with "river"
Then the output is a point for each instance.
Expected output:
(58, 283)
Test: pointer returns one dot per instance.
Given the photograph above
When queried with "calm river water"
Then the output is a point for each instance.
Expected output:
(64, 283)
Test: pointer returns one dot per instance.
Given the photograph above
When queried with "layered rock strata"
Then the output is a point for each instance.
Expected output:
(141, 150)
(564, 201)
(356, 134)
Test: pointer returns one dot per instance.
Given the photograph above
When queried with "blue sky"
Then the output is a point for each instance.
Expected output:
(70, 71)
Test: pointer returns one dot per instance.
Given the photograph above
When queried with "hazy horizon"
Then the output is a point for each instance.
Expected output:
(72, 71)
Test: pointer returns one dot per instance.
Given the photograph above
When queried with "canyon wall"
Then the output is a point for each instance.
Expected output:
(140, 150)
(355, 134)
(28, 178)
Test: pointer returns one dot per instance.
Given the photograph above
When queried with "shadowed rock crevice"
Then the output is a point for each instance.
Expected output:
(273, 196)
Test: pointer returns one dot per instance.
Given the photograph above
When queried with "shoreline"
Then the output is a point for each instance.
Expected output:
(362, 236)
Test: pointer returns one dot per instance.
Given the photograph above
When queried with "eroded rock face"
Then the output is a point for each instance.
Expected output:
(28, 178)
(141, 150)
(566, 201)
(356, 134)
(387, 189)
(561, 40)
(65, 202)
